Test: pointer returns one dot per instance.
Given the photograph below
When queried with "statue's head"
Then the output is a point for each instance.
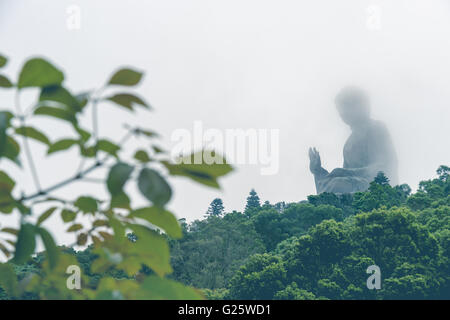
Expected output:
(353, 105)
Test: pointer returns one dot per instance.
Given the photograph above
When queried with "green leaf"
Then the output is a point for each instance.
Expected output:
(142, 156)
(8, 279)
(26, 243)
(6, 183)
(68, 215)
(154, 187)
(12, 150)
(100, 223)
(4, 124)
(86, 204)
(117, 177)
(120, 200)
(3, 61)
(4, 82)
(82, 239)
(127, 100)
(202, 172)
(160, 218)
(83, 98)
(108, 147)
(126, 77)
(7, 203)
(88, 152)
(33, 133)
(58, 113)
(157, 149)
(6, 253)
(47, 213)
(84, 135)
(61, 145)
(147, 133)
(51, 250)
(61, 95)
(157, 288)
(38, 72)
(151, 249)
(75, 227)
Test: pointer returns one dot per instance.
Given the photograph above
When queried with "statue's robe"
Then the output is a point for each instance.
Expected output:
(367, 151)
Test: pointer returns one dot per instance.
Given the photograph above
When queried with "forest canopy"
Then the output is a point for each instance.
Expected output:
(319, 248)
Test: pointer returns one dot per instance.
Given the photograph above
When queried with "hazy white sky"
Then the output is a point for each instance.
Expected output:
(250, 64)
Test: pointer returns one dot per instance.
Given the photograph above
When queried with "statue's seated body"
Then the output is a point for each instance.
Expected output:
(368, 150)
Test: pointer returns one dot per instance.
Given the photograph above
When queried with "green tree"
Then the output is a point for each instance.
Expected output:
(253, 202)
(216, 208)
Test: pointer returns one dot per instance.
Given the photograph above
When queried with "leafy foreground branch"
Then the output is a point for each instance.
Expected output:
(132, 241)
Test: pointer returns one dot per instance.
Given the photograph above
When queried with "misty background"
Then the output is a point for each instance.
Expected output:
(245, 64)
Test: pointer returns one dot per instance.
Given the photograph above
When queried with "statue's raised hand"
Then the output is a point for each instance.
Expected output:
(314, 161)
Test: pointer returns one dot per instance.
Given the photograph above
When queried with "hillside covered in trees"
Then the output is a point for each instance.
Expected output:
(319, 248)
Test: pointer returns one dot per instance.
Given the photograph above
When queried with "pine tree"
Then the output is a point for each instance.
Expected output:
(216, 208)
(381, 179)
(253, 201)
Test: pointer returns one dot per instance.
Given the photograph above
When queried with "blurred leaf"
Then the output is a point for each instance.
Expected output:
(82, 239)
(6, 183)
(117, 177)
(126, 77)
(202, 172)
(4, 124)
(100, 223)
(160, 218)
(5, 251)
(51, 250)
(88, 152)
(120, 200)
(55, 112)
(154, 187)
(127, 100)
(4, 82)
(84, 135)
(157, 288)
(45, 215)
(147, 133)
(61, 145)
(157, 149)
(3, 61)
(26, 243)
(142, 156)
(75, 227)
(8, 279)
(86, 204)
(33, 133)
(12, 150)
(83, 98)
(108, 147)
(68, 215)
(59, 94)
(7, 202)
(12, 231)
(151, 249)
(38, 72)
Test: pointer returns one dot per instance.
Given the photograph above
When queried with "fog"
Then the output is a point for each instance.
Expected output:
(248, 64)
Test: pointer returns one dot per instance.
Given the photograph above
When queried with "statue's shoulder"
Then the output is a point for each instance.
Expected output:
(378, 126)
(379, 130)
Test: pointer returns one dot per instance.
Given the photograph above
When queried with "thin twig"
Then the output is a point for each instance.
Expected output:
(77, 176)
(25, 144)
